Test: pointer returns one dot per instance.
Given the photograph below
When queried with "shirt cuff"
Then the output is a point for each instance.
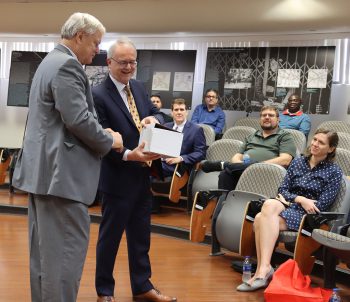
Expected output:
(125, 155)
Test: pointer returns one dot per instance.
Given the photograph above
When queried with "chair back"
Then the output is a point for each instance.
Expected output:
(238, 132)
(209, 133)
(342, 158)
(262, 178)
(253, 122)
(299, 140)
(338, 126)
(223, 149)
(344, 140)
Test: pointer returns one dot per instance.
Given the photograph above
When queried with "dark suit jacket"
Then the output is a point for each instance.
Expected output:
(117, 175)
(193, 147)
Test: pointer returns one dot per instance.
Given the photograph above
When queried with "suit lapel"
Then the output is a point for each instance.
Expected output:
(117, 99)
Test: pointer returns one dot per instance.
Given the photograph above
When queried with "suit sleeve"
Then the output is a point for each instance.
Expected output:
(104, 121)
(69, 92)
(199, 148)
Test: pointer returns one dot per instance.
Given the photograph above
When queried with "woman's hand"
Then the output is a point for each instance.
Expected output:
(309, 205)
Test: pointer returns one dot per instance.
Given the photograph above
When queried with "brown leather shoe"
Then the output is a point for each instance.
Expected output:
(105, 299)
(154, 295)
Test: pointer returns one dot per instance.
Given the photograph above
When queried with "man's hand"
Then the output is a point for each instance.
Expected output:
(117, 140)
(173, 160)
(149, 120)
(138, 155)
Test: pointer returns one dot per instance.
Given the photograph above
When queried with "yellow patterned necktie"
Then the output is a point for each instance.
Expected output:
(132, 107)
(134, 113)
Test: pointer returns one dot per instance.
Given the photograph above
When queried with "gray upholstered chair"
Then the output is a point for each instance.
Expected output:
(344, 140)
(336, 246)
(343, 160)
(299, 140)
(253, 122)
(221, 150)
(209, 133)
(338, 126)
(238, 132)
(260, 180)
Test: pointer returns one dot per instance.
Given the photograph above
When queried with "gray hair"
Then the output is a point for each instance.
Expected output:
(121, 41)
(81, 22)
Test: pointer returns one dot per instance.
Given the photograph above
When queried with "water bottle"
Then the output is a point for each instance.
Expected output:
(247, 269)
(335, 296)
(246, 158)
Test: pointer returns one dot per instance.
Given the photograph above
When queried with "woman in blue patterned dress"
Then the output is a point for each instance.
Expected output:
(311, 185)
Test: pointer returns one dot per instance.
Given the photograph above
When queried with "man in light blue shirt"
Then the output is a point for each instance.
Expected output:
(293, 117)
(210, 113)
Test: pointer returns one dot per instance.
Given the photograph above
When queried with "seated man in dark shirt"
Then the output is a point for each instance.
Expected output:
(157, 101)
(270, 145)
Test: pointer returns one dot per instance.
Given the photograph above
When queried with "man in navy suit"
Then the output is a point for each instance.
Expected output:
(124, 179)
(193, 147)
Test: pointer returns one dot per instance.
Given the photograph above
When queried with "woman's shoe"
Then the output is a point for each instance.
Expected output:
(258, 283)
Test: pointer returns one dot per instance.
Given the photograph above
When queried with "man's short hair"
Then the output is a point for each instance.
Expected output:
(269, 107)
(120, 41)
(295, 96)
(81, 22)
(178, 102)
(156, 95)
(213, 90)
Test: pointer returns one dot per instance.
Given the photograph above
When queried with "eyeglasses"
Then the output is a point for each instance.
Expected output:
(268, 115)
(125, 63)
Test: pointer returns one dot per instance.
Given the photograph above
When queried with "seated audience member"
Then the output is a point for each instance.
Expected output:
(293, 117)
(193, 147)
(310, 186)
(270, 145)
(157, 101)
(210, 113)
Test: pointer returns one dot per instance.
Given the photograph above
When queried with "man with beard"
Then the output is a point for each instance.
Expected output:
(293, 117)
(269, 145)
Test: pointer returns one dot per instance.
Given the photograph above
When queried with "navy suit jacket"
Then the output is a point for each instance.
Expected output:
(118, 175)
(194, 146)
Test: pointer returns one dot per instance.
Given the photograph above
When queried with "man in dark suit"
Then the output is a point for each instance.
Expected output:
(122, 105)
(59, 162)
(193, 147)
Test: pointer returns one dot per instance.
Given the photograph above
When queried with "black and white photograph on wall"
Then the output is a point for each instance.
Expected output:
(167, 73)
(249, 78)
(97, 71)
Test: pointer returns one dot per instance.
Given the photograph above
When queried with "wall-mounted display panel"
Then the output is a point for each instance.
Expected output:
(98, 69)
(169, 73)
(249, 78)
(22, 70)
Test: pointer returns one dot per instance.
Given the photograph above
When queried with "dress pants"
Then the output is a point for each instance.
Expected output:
(128, 211)
(58, 241)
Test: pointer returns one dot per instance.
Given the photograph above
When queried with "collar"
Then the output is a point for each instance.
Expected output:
(120, 86)
(206, 108)
(260, 132)
(298, 113)
(70, 51)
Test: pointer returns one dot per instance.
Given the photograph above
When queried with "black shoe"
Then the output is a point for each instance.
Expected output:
(210, 166)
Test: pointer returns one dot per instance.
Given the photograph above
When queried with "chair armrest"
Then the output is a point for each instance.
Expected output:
(254, 207)
(344, 230)
(315, 221)
(204, 197)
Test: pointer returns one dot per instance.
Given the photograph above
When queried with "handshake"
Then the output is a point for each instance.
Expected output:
(117, 140)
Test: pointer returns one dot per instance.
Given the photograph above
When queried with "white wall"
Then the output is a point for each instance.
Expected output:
(12, 119)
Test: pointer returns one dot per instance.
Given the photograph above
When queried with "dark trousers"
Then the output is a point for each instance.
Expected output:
(228, 178)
